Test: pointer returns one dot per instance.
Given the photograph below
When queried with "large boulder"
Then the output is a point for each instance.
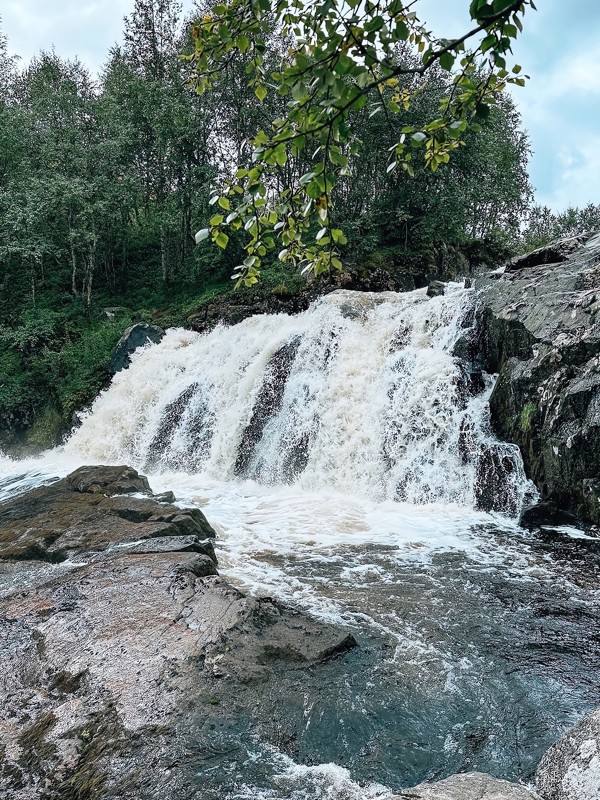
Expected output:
(467, 786)
(436, 289)
(90, 511)
(540, 330)
(136, 336)
(570, 769)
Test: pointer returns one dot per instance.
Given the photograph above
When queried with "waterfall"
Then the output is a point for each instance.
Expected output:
(361, 394)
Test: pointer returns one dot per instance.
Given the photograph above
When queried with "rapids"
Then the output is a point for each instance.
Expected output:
(339, 454)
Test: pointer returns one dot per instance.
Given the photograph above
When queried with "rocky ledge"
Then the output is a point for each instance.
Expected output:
(540, 330)
(122, 649)
(468, 786)
(231, 308)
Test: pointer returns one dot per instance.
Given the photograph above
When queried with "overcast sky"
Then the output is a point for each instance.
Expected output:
(560, 50)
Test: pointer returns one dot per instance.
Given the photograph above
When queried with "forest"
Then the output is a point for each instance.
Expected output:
(104, 180)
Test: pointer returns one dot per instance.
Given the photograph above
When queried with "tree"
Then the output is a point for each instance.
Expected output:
(340, 58)
(544, 225)
(484, 189)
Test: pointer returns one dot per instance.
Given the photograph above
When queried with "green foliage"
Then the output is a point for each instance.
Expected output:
(544, 225)
(527, 414)
(103, 183)
(336, 61)
(46, 428)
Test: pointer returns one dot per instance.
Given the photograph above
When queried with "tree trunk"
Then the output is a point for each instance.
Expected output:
(73, 270)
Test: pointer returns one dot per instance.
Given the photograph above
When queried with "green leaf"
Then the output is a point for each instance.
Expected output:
(280, 155)
(224, 203)
(501, 5)
(221, 239)
(338, 236)
(337, 157)
(216, 220)
(447, 61)
(242, 42)
(261, 92)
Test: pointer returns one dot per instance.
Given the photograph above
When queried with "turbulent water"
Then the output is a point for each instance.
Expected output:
(345, 457)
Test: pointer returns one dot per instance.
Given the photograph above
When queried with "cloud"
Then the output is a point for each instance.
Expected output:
(561, 112)
(75, 29)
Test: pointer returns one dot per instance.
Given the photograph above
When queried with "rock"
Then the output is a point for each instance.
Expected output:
(540, 330)
(493, 488)
(136, 336)
(165, 497)
(570, 769)
(123, 666)
(267, 403)
(112, 312)
(467, 786)
(233, 308)
(108, 480)
(78, 515)
(436, 289)
(554, 253)
(545, 513)
(176, 544)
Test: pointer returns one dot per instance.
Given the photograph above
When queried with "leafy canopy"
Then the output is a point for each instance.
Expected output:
(335, 59)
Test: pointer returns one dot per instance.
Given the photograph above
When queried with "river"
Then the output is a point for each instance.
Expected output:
(338, 455)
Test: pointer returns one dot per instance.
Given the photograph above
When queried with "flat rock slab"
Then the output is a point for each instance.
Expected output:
(570, 770)
(468, 786)
(117, 662)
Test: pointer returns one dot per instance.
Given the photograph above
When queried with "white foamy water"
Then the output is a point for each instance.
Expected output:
(359, 394)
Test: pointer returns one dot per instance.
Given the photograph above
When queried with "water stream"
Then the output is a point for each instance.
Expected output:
(346, 459)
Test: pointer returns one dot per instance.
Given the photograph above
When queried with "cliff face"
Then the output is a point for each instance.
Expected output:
(540, 330)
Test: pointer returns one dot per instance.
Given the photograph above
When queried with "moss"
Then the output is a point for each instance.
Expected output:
(47, 428)
(527, 414)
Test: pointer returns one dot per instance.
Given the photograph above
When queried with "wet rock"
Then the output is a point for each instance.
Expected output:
(467, 786)
(268, 402)
(165, 497)
(494, 490)
(233, 308)
(545, 513)
(119, 664)
(436, 289)
(540, 330)
(108, 480)
(136, 336)
(570, 770)
(77, 515)
(177, 544)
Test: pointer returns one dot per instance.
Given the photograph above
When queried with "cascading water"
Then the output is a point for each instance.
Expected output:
(360, 394)
(345, 457)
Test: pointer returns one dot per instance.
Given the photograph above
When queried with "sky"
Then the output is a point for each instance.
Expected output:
(559, 50)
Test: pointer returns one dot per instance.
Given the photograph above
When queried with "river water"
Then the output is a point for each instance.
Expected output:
(339, 456)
